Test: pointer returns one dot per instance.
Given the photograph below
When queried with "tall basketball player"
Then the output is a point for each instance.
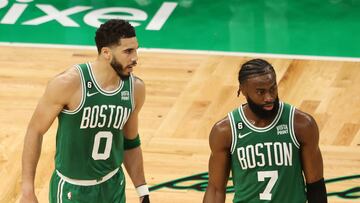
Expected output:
(97, 105)
(267, 144)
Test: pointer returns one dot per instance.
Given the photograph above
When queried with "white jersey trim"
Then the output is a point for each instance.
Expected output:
(233, 132)
(83, 89)
(292, 127)
(98, 87)
(261, 129)
(87, 182)
(132, 91)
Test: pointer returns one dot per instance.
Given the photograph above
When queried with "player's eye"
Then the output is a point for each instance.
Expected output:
(260, 92)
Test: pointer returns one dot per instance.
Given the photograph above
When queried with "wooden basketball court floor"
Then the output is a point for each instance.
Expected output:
(186, 94)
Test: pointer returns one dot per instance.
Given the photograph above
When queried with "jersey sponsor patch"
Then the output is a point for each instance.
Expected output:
(282, 129)
(125, 95)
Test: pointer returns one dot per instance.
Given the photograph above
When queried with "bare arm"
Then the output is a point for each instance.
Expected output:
(133, 159)
(49, 106)
(307, 133)
(219, 162)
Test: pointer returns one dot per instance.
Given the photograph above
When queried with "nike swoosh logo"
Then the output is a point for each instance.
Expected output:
(243, 135)
(91, 94)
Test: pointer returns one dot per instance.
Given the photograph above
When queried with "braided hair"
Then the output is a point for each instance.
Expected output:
(110, 32)
(252, 68)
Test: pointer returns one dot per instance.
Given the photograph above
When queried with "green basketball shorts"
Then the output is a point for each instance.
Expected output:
(63, 190)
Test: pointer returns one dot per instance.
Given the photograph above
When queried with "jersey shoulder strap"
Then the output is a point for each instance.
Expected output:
(235, 123)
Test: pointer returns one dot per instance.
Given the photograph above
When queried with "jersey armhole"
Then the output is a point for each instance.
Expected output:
(83, 89)
(292, 128)
(132, 91)
(233, 132)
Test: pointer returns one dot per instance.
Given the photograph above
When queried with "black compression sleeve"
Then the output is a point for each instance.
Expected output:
(316, 192)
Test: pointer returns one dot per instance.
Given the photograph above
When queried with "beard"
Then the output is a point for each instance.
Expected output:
(259, 110)
(119, 68)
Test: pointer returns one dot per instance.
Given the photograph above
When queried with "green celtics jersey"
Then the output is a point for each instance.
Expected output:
(265, 162)
(89, 140)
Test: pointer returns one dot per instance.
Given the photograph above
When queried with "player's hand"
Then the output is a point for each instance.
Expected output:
(145, 199)
(28, 198)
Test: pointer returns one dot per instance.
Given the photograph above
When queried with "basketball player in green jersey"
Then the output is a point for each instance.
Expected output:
(97, 105)
(267, 144)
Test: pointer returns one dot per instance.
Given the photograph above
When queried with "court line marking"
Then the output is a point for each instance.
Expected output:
(197, 52)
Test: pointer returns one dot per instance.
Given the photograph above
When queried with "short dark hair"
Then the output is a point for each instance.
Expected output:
(110, 32)
(254, 67)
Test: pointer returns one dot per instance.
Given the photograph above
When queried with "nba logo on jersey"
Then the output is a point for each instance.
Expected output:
(125, 95)
(69, 195)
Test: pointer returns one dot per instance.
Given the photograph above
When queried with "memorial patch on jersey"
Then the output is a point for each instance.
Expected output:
(89, 84)
(240, 125)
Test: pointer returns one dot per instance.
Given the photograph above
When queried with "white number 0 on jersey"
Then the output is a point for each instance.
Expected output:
(96, 155)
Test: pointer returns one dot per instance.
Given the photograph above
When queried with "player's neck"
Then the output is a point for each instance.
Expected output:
(105, 75)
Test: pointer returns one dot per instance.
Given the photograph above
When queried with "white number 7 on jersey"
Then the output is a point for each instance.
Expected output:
(273, 175)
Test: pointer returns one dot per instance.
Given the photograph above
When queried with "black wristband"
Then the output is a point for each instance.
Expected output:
(146, 199)
(316, 192)
(131, 144)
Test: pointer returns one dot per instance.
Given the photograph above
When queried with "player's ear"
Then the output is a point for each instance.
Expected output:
(242, 90)
(106, 53)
